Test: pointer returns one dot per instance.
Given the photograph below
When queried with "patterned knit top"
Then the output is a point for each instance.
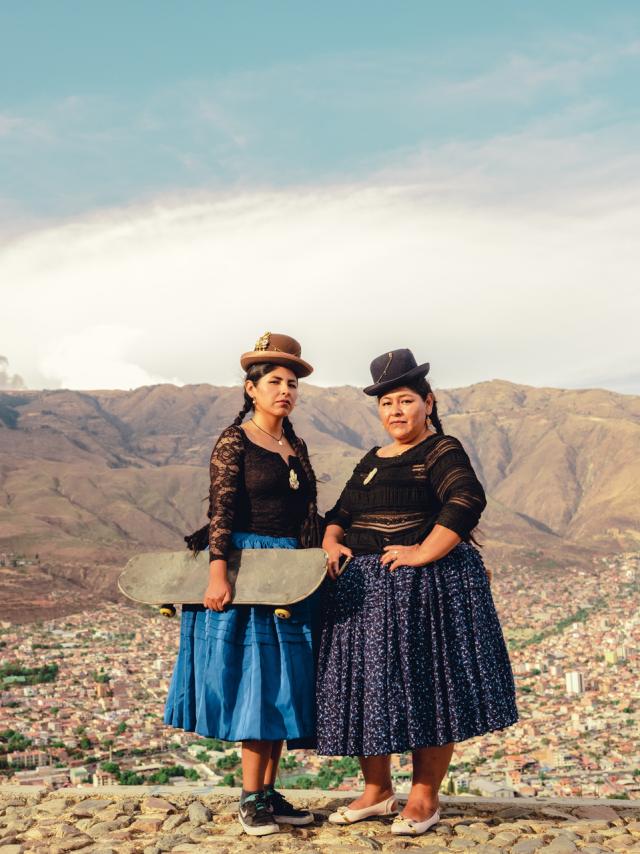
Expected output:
(252, 490)
(398, 500)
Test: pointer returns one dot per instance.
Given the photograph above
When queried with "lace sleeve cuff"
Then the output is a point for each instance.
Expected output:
(338, 515)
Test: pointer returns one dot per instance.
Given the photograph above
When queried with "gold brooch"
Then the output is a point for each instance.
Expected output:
(263, 342)
(294, 483)
(370, 477)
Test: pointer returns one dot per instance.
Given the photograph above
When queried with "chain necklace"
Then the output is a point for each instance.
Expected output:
(275, 438)
(294, 483)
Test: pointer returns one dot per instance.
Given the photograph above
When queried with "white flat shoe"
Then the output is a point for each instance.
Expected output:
(409, 827)
(344, 815)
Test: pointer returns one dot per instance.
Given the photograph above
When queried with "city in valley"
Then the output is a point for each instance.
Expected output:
(81, 698)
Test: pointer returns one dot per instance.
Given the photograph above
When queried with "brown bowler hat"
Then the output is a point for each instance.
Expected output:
(277, 350)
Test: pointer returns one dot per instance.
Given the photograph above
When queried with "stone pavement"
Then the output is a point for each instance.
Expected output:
(141, 820)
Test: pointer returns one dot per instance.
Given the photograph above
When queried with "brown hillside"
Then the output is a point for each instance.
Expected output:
(87, 478)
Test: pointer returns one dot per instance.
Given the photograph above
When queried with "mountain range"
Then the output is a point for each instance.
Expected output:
(88, 478)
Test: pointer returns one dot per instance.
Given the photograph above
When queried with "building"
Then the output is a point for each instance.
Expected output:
(574, 682)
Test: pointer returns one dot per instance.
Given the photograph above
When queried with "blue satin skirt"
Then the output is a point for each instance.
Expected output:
(244, 673)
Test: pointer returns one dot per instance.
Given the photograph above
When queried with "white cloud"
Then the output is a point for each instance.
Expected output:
(515, 259)
(97, 357)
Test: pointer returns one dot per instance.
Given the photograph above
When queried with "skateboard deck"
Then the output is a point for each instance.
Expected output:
(257, 576)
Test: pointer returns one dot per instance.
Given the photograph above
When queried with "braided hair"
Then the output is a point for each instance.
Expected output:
(311, 531)
(422, 388)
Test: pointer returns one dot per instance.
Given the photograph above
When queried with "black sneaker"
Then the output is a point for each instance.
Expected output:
(284, 812)
(255, 816)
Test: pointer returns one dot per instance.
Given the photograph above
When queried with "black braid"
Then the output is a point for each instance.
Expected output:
(435, 418)
(248, 406)
(311, 533)
(423, 388)
(199, 540)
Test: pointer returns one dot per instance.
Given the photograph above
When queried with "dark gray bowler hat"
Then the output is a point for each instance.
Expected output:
(393, 369)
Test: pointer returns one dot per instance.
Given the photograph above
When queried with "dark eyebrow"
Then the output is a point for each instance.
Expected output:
(274, 376)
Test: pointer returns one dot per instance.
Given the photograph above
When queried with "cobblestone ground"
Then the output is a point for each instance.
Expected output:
(138, 823)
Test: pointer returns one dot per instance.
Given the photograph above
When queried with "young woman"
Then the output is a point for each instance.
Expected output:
(242, 673)
(412, 655)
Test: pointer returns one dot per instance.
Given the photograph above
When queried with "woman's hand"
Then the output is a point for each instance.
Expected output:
(219, 592)
(438, 543)
(334, 551)
(395, 556)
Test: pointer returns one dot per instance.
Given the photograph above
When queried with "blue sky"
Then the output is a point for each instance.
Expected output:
(359, 119)
(117, 101)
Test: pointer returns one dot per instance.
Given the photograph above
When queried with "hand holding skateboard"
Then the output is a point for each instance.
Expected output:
(277, 577)
(219, 592)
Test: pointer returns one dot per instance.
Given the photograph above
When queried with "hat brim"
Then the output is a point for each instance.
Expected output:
(397, 382)
(276, 357)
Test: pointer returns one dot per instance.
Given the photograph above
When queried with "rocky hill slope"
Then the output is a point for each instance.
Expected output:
(89, 477)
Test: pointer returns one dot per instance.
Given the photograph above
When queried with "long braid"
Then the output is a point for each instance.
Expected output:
(310, 534)
(199, 540)
(248, 406)
(435, 418)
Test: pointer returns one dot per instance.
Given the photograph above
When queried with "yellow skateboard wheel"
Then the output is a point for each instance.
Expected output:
(283, 613)
(168, 610)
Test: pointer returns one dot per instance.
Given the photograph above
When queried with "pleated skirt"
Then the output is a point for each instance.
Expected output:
(244, 673)
(411, 658)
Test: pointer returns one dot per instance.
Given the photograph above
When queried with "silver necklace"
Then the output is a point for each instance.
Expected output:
(275, 438)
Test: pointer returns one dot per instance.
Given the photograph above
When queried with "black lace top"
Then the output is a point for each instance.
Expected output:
(251, 491)
(433, 483)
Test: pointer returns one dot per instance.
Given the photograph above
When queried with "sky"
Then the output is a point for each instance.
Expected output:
(178, 178)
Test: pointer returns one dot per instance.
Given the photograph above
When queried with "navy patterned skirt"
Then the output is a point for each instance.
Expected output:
(411, 658)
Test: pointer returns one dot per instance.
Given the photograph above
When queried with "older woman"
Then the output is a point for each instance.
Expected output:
(412, 654)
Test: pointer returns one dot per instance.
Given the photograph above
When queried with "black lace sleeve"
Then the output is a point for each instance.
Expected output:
(225, 470)
(342, 513)
(339, 514)
(454, 481)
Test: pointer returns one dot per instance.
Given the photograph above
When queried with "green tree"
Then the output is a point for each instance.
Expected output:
(227, 762)
(121, 728)
(211, 743)
(130, 778)
(111, 768)
(303, 782)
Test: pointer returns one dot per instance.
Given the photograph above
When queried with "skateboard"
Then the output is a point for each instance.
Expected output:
(278, 577)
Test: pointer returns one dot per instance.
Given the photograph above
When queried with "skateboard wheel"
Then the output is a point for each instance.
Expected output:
(168, 610)
(283, 613)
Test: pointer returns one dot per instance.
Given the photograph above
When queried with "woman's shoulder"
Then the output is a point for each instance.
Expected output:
(365, 462)
(233, 431)
(441, 444)
(232, 437)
